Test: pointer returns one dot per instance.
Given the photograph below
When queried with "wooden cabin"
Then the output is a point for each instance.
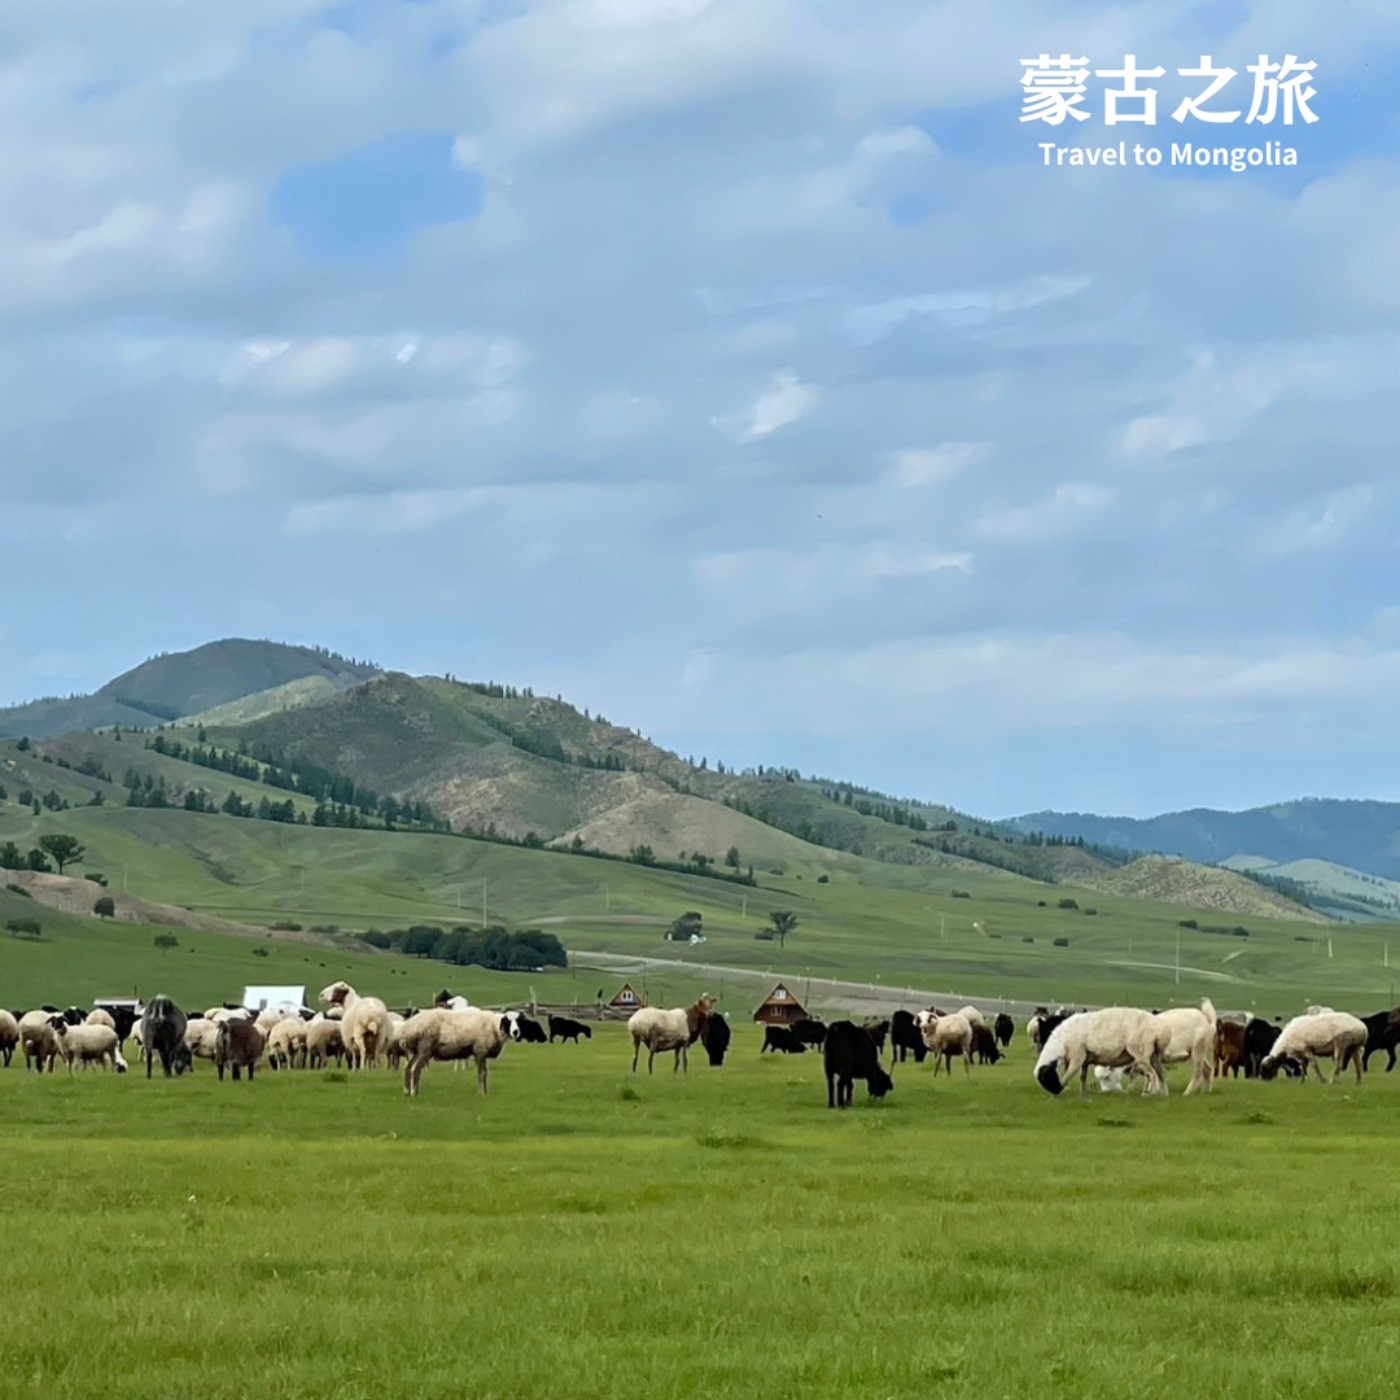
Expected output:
(627, 999)
(780, 1008)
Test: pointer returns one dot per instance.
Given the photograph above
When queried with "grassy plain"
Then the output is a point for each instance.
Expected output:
(585, 1234)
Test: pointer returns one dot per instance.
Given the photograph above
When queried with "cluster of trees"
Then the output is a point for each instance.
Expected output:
(62, 850)
(868, 807)
(50, 801)
(1291, 889)
(495, 947)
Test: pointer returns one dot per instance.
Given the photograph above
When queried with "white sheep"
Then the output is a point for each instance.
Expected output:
(439, 1034)
(1327, 1035)
(98, 1017)
(363, 1025)
(393, 1051)
(659, 1031)
(286, 1043)
(90, 1045)
(1033, 1033)
(947, 1036)
(9, 1036)
(201, 1038)
(1115, 1037)
(324, 1042)
(1110, 1081)
(973, 1015)
(1191, 1038)
(39, 1039)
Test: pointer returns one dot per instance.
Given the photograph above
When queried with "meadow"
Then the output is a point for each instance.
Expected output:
(584, 1233)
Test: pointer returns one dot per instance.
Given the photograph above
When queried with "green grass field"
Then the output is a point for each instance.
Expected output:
(584, 1234)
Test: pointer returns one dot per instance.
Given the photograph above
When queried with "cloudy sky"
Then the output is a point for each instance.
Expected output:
(733, 367)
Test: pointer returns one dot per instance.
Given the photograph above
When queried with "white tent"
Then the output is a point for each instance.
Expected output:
(278, 998)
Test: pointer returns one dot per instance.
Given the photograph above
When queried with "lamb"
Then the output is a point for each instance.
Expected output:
(455, 1035)
(90, 1044)
(1114, 1037)
(947, 1036)
(39, 1039)
(1328, 1035)
(163, 1027)
(9, 1036)
(238, 1045)
(324, 1043)
(363, 1026)
(676, 1030)
(1192, 1037)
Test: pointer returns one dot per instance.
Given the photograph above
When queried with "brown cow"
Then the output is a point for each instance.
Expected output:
(1230, 1055)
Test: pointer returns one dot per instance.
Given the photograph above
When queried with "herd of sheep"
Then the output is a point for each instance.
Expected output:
(360, 1032)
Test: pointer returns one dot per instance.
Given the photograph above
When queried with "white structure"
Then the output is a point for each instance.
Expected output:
(276, 998)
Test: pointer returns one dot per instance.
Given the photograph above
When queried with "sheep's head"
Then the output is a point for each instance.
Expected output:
(880, 1083)
(335, 994)
(58, 1024)
(1268, 1067)
(1048, 1077)
(510, 1025)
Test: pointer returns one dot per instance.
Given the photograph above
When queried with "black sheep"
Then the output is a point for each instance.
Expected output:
(850, 1054)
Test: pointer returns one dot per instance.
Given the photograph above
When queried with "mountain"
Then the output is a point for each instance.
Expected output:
(1170, 880)
(1362, 835)
(1332, 889)
(173, 686)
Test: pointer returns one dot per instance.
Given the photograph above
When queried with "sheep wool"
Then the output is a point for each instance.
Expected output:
(1329, 1035)
(439, 1034)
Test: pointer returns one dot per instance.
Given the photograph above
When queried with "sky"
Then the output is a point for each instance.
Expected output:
(734, 368)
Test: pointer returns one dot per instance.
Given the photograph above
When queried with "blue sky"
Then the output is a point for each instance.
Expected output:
(729, 366)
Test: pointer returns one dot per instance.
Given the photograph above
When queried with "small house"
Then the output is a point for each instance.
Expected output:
(277, 998)
(627, 998)
(780, 1008)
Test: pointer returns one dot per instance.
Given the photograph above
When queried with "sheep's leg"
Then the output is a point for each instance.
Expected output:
(651, 1059)
(636, 1051)
(967, 1063)
(481, 1072)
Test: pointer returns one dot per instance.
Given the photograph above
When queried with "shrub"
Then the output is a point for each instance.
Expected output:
(96, 876)
(259, 952)
(105, 908)
(167, 940)
(1028, 940)
(959, 894)
(325, 928)
(1188, 923)
(823, 879)
(24, 928)
(1061, 942)
(19, 890)
(1040, 904)
(765, 935)
(1239, 931)
(1091, 911)
(1068, 904)
(286, 926)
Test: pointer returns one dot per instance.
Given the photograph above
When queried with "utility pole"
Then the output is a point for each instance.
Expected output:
(1178, 957)
(483, 904)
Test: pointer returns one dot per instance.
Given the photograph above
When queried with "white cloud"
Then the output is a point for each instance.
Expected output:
(915, 467)
(1071, 507)
(785, 401)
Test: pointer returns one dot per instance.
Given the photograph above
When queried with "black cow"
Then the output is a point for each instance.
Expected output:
(163, 1035)
(905, 1036)
(877, 1031)
(1382, 1034)
(1003, 1028)
(777, 1038)
(715, 1038)
(567, 1029)
(531, 1032)
(850, 1054)
(984, 1046)
(810, 1031)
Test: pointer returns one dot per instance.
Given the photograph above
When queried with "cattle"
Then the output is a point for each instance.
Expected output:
(777, 1038)
(877, 1031)
(905, 1037)
(565, 1028)
(531, 1032)
(984, 1045)
(850, 1054)
(810, 1031)
(1382, 1034)
(1230, 1054)
(163, 1035)
(715, 1039)
(1003, 1028)
(1259, 1037)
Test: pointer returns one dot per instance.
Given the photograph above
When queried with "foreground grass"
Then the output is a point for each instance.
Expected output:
(581, 1233)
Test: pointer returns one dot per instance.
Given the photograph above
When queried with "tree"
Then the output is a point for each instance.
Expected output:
(689, 924)
(731, 857)
(11, 857)
(783, 922)
(38, 861)
(62, 850)
(105, 908)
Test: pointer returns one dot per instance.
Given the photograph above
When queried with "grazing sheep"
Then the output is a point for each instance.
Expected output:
(850, 1054)
(1003, 1028)
(531, 1032)
(163, 1027)
(238, 1045)
(286, 1044)
(974, 1016)
(984, 1045)
(324, 1043)
(98, 1017)
(1326, 1035)
(1231, 1055)
(906, 1038)
(1114, 1037)
(363, 1026)
(947, 1036)
(776, 1038)
(1382, 1034)
(1191, 1037)
(393, 1051)
(1035, 1031)
(202, 1038)
(455, 1035)
(89, 1044)
(566, 1028)
(677, 1030)
(9, 1036)
(39, 1039)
